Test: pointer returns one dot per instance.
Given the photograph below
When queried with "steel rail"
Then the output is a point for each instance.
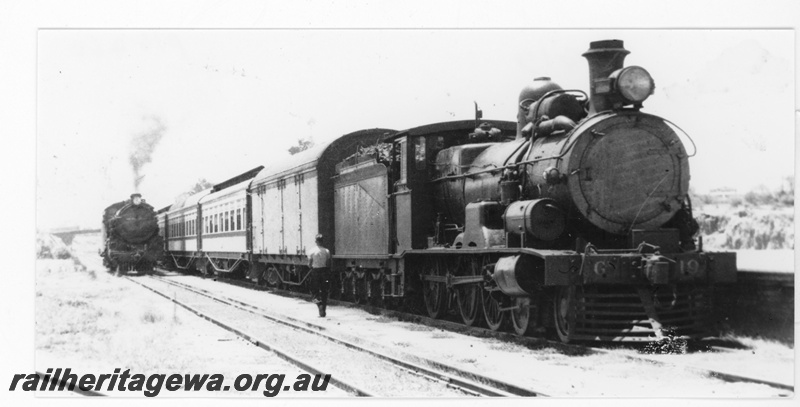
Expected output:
(527, 341)
(479, 384)
(261, 344)
(716, 374)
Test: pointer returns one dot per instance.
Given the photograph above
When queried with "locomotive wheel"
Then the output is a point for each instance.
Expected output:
(468, 296)
(563, 313)
(435, 295)
(521, 316)
(491, 311)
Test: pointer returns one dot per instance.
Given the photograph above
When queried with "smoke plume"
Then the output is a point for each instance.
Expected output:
(143, 145)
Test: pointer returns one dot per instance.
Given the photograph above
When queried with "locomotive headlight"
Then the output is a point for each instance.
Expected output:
(634, 84)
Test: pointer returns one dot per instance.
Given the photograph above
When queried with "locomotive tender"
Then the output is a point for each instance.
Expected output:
(130, 236)
(573, 219)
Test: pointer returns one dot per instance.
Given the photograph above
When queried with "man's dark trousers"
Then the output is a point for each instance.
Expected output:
(319, 282)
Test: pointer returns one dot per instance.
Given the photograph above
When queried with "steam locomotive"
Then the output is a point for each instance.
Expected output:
(574, 220)
(130, 235)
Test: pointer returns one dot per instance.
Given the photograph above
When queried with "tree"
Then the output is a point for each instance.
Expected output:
(200, 185)
(302, 145)
(786, 193)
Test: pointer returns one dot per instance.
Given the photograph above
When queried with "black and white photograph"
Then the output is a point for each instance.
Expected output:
(405, 211)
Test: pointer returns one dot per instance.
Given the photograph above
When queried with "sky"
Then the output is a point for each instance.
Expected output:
(210, 104)
(723, 81)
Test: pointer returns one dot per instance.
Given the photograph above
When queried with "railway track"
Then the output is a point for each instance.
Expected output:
(285, 355)
(530, 342)
(459, 380)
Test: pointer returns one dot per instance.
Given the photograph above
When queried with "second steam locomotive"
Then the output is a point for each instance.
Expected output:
(575, 219)
(130, 236)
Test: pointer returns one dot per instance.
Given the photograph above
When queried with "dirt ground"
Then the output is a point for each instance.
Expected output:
(94, 323)
(90, 320)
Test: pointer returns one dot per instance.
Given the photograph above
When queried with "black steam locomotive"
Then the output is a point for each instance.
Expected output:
(130, 235)
(574, 219)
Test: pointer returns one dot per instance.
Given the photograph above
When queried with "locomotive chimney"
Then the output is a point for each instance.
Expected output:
(604, 58)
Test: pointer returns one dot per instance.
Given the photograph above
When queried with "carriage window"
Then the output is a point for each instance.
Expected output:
(232, 223)
(226, 220)
(216, 223)
(419, 153)
(239, 219)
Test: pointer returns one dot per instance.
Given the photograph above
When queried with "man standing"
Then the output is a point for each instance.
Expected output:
(319, 260)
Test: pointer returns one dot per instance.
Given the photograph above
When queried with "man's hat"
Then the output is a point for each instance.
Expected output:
(318, 238)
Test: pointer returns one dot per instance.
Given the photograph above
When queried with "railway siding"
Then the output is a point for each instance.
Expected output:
(546, 369)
